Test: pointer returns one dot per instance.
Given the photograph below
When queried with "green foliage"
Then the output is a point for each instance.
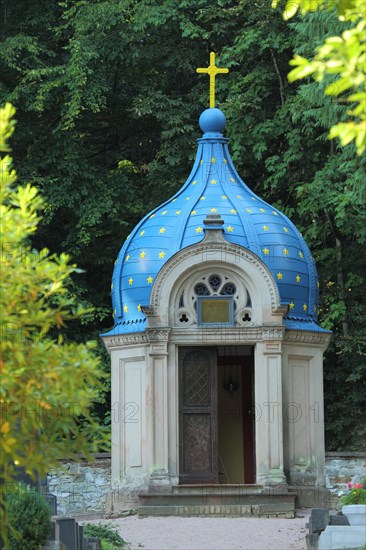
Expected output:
(343, 58)
(28, 518)
(109, 536)
(46, 382)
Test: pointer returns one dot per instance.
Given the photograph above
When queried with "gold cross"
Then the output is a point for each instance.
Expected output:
(212, 70)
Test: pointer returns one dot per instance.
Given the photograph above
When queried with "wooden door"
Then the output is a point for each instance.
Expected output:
(248, 418)
(198, 415)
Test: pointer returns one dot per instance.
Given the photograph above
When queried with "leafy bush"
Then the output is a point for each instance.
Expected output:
(109, 536)
(29, 518)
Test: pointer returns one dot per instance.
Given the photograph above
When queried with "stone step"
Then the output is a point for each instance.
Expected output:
(283, 510)
(215, 498)
(234, 488)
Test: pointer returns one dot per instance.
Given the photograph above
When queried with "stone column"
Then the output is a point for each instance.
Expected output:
(268, 413)
(158, 363)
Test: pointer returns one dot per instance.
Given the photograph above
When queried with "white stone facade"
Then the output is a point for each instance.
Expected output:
(288, 373)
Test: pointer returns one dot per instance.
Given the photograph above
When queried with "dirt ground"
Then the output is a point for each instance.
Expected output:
(177, 533)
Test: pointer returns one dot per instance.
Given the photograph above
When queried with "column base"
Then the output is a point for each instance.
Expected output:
(160, 482)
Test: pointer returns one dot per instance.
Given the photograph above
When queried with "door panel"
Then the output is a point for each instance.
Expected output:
(248, 419)
(198, 415)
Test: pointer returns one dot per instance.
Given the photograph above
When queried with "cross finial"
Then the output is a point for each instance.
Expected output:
(212, 70)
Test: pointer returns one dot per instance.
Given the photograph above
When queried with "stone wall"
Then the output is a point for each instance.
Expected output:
(81, 487)
(342, 467)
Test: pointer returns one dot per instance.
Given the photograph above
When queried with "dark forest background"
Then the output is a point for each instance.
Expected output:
(107, 102)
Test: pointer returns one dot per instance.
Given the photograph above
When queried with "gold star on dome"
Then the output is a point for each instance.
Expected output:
(165, 212)
(193, 212)
(125, 309)
(194, 182)
(114, 313)
(174, 200)
(199, 229)
(274, 213)
(249, 210)
(213, 182)
(239, 196)
(178, 212)
(142, 254)
(266, 251)
(261, 210)
(201, 161)
(138, 307)
(292, 305)
(142, 233)
(161, 254)
(265, 228)
(285, 229)
(202, 198)
(225, 161)
(230, 229)
(115, 262)
(233, 211)
(253, 198)
(152, 216)
(213, 159)
(128, 257)
(162, 230)
(232, 179)
(285, 251)
(305, 307)
(301, 254)
(213, 210)
(130, 281)
(149, 280)
(279, 276)
(298, 278)
(187, 198)
(224, 197)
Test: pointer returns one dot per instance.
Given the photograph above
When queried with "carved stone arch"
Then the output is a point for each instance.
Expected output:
(214, 254)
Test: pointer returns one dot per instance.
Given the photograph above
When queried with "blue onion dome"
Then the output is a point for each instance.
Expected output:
(214, 186)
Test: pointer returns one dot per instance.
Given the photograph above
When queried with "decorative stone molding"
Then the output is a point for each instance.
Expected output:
(148, 311)
(160, 334)
(213, 281)
(307, 337)
(205, 249)
(113, 342)
(233, 335)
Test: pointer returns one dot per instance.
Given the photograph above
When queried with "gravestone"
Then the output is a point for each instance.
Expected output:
(318, 521)
(80, 532)
(338, 519)
(92, 544)
(66, 532)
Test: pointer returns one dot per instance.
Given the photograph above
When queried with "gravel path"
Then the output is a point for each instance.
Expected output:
(176, 533)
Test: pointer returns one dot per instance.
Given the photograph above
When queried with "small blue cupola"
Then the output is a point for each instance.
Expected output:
(214, 187)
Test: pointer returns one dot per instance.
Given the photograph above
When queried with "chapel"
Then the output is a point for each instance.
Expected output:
(216, 350)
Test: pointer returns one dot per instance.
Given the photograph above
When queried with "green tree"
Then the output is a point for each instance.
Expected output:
(343, 57)
(46, 383)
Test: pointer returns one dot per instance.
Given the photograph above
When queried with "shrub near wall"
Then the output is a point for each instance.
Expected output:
(29, 516)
